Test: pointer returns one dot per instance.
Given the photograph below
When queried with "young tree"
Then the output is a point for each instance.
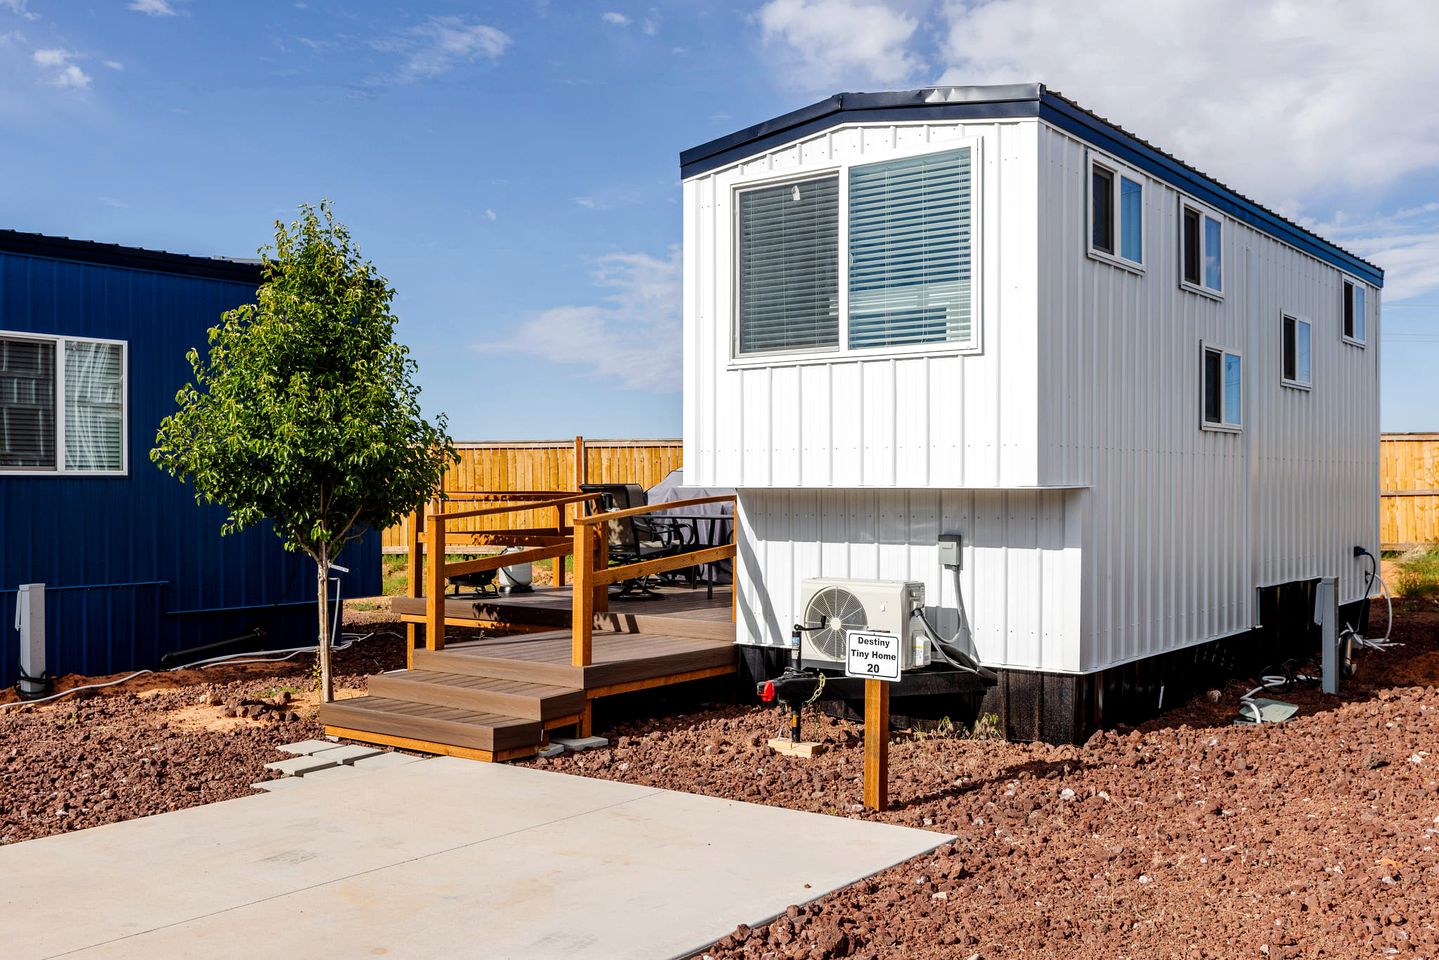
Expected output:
(305, 412)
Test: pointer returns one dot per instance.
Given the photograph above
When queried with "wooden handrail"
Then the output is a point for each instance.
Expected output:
(515, 507)
(653, 508)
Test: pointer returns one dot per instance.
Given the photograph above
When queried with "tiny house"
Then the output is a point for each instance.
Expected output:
(92, 351)
(1147, 405)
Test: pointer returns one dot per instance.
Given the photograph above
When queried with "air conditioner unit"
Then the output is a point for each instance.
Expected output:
(839, 605)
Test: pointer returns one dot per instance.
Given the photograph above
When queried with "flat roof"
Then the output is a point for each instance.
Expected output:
(135, 258)
(1008, 101)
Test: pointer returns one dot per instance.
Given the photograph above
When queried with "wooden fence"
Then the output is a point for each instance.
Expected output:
(501, 467)
(1409, 490)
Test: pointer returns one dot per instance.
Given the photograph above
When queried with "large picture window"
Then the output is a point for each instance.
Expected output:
(910, 251)
(904, 282)
(62, 405)
(789, 267)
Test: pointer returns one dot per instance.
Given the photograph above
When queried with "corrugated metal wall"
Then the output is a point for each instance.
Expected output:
(1186, 523)
(125, 558)
(932, 421)
(1016, 596)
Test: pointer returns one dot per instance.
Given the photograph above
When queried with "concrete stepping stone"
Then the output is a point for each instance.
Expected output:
(340, 772)
(348, 753)
(580, 743)
(299, 766)
(274, 786)
(307, 747)
(384, 761)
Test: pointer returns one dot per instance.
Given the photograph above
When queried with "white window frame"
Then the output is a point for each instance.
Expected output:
(975, 343)
(1117, 171)
(60, 470)
(1223, 426)
(1188, 203)
(1296, 383)
(1356, 284)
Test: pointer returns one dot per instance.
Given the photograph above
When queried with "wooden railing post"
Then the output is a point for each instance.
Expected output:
(602, 562)
(435, 586)
(559, 577)
(583, 597)
(413, 568)
(582, 469)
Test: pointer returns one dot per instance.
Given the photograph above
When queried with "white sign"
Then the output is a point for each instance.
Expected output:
(874, 656)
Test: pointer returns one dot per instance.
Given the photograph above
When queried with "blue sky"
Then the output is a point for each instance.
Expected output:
(512, 167)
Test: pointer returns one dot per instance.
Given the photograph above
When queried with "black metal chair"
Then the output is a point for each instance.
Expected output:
(481, 584)
(632, 539)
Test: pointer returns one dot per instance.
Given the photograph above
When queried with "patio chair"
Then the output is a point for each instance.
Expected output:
(632, 539)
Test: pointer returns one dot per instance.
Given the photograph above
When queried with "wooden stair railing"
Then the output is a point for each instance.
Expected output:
(429, 529)
(593, 574)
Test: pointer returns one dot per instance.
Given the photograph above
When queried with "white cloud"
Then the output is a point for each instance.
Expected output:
(64, 72)
(613, 17)
(490, 215)
(154, 8)
(828, 43)
(439, 45)
(1306, 107)
(20, 8)
(114, 64)
(631, 339)
(1283, 100)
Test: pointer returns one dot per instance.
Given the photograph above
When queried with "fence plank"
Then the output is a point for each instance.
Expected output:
(1409, 500)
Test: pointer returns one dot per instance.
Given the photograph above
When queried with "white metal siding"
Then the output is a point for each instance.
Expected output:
(1017, 592)
(1185, 523)
(878, 420)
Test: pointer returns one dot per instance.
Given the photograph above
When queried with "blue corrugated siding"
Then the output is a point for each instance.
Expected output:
(121, 555)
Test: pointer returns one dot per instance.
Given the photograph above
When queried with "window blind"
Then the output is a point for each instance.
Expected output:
(789, 267)
(910, 251)
(27, 404)
(94, 418)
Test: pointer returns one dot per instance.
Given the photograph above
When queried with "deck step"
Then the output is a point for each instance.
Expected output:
(433, 723)
(503, 661)
(513, 698)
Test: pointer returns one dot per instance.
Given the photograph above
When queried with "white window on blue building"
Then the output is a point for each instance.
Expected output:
(62, 405)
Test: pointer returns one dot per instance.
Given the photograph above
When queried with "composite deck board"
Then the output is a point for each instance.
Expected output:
(516, 698)
(433, 723)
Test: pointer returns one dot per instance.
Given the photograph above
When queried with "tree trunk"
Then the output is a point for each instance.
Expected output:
(322, 585)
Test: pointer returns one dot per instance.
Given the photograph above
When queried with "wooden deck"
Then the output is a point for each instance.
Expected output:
(498, 697)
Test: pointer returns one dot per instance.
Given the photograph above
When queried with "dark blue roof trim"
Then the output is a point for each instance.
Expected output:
(1018, 100)
(134, 258)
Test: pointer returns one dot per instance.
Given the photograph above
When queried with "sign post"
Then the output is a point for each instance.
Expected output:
(875, 657)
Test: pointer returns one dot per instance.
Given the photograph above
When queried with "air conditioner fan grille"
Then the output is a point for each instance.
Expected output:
(838, 611)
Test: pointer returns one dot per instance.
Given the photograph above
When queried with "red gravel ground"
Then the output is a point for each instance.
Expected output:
(1187, 838)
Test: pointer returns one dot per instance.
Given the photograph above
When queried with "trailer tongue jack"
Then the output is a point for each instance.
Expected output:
(795, 688)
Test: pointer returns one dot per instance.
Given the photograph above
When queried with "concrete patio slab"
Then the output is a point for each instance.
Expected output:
(299, 766)
(306, 747)
(384, 761)
(347, 753)
(445, 858)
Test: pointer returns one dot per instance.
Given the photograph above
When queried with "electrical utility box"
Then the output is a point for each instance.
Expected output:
(30, 621)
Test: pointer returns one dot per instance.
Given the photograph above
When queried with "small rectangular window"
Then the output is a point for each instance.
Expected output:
(1297, 365)
(789, 267)
(75, 428)
(1223, 399)
(1353, 311)
(1101, 194)
(1201, 249)
(1116, 214)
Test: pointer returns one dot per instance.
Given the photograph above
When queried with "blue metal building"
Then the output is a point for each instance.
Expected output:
(92, 350)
